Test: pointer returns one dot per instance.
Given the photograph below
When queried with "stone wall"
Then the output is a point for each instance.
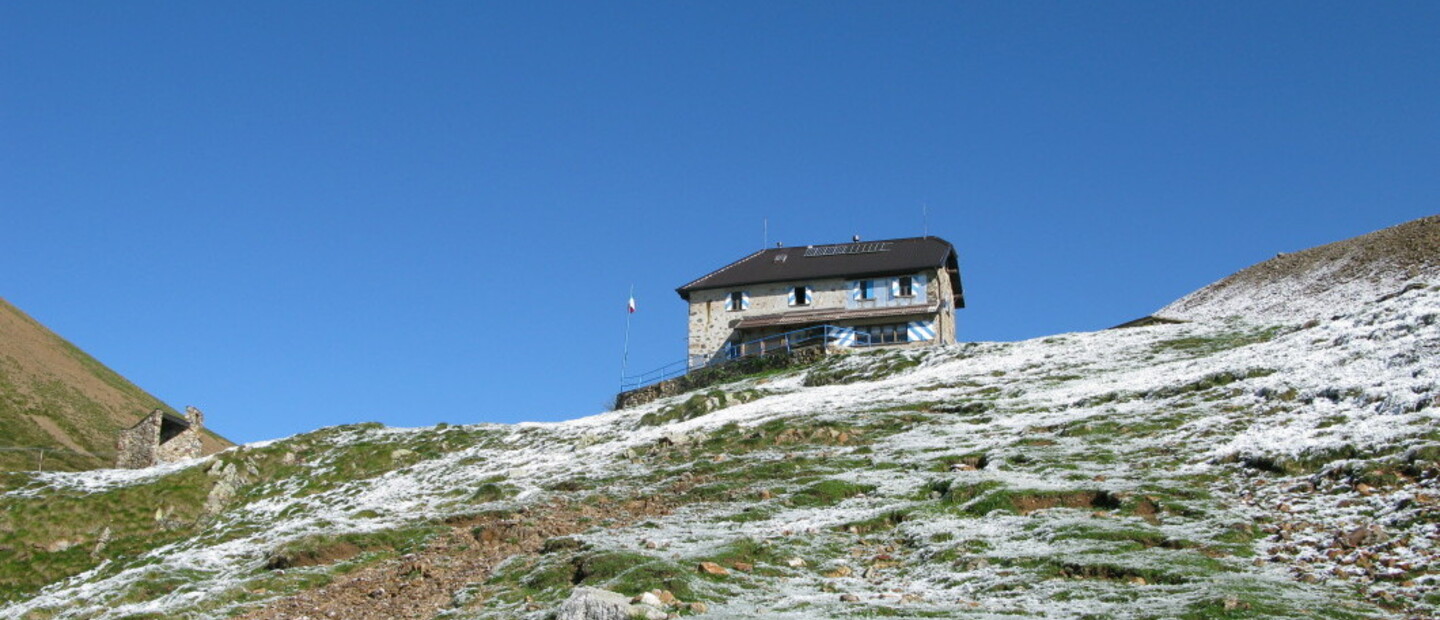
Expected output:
(943, 291)
(711, 325)
(719, 373)
(154, 440)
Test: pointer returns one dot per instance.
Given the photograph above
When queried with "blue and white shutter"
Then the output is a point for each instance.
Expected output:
(917, 286)
(920, 331)
(744, 301)
(809, 296)
(855, 290)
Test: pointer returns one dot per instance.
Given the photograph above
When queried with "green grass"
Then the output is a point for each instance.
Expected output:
(1200, 346)
(867, 366)
(29, 526)
(633, 573)
(828, 493)
(749, 515)
(696, 406)
(887, 520)
(954, 492)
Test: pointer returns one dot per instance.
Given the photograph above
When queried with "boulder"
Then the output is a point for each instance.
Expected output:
(646, 612)
(594, 604)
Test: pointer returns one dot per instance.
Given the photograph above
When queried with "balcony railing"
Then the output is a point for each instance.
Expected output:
(814, 336)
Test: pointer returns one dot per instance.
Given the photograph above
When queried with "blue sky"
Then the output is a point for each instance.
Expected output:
(295, 215)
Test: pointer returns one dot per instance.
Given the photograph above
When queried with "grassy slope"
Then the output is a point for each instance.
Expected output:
(54, 395)
(1192, 471)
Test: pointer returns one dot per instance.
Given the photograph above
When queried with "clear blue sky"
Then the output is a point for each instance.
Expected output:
(299, 214)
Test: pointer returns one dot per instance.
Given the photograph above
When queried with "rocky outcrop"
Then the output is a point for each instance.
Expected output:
(594, 604)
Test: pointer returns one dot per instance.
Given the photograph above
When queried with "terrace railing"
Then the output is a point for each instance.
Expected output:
(814, 336)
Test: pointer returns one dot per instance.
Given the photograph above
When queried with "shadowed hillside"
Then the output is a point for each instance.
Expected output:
(56, 397)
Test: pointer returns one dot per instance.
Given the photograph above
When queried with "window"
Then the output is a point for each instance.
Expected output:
(882, 334)
(867, 290)
(907, 286)
(737, 300)
(800, 296)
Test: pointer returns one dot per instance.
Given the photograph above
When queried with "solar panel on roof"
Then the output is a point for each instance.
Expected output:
(852, 248)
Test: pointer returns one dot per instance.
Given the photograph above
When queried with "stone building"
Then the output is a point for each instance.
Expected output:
(894, 292)
(160, 437)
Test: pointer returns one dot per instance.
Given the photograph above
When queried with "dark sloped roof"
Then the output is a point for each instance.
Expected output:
(844, 260)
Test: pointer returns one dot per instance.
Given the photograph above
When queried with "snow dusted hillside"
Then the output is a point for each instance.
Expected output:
(1193, 470)
(1285, 466)
(1320, 282)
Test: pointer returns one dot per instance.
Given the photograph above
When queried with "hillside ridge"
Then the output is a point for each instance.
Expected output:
(1321, 281)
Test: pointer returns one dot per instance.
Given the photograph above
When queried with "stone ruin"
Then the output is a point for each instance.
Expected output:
(160, 437)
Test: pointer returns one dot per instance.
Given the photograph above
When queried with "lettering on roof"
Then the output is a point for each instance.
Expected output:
(853, 248)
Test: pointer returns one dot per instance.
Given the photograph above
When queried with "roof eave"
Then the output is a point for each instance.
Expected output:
(847, 276)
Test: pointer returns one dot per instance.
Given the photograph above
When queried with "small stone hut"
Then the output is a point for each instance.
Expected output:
(160, 437)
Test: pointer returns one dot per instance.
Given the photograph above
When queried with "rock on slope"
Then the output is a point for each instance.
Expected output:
(1201, 470)
(55, 396)
(1322, 281)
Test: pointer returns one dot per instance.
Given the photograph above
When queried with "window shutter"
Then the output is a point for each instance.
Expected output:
(919, 331)
(744, 300)
(918, 284)
(855, 291)
(809, 296)
(791, 297)
(729, 302)
(894, 288)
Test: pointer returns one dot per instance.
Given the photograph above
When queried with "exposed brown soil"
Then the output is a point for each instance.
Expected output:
(1147, 510)
(48, 425)
(1026, 504)
(421, 584)
(329, 554)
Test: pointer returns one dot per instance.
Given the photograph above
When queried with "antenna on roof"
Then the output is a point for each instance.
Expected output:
(765, 236)
(925, 217)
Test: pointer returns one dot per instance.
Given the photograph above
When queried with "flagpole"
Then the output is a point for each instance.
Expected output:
(625, 355)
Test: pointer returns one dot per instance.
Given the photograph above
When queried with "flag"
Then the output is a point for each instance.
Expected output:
(632, 304)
